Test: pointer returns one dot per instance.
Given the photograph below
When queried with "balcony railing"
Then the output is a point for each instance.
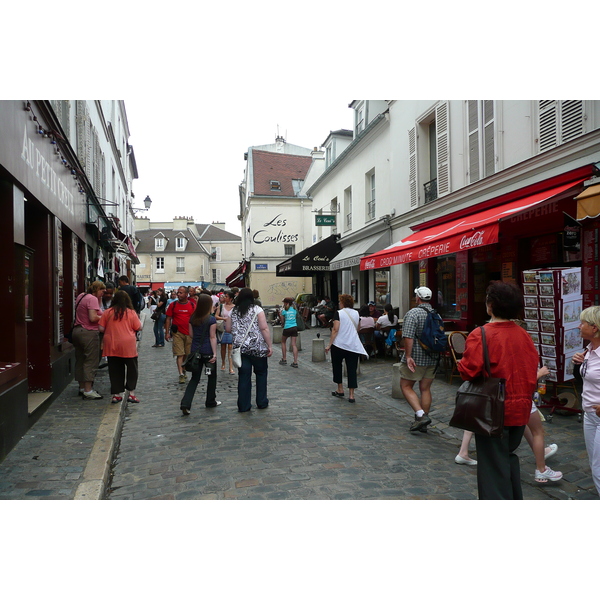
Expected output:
(430, 191)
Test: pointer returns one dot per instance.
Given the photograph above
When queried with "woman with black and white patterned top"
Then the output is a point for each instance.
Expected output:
(255, 348)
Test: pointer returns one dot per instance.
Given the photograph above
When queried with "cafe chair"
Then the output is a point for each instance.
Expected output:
(367, 338)
(456, 342)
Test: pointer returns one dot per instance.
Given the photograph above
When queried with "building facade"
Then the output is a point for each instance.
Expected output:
(66, 170)
(275, 216)
(182, 252)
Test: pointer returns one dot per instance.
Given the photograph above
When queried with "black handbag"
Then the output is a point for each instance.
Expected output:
(480, 403)
(193, 360)
(69, 334)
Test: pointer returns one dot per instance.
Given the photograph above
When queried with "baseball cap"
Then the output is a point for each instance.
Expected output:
(424, 293)
(371, 303)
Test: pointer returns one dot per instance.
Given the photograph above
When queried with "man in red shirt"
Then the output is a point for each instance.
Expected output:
(178, 314)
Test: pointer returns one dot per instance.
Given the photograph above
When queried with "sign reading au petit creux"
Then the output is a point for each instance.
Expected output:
(321, 220)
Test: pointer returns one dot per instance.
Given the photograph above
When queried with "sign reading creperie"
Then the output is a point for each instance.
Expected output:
(400, 254)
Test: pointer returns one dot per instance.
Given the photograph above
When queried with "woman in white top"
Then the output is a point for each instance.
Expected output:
(386, 321)
(223, 312)
(345, 344)
(589, 360)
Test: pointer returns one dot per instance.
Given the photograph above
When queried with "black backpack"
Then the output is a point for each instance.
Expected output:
(433, 338)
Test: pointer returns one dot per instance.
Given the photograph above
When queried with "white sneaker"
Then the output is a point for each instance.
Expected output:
(93, 395)
(550, 450)
(548, 474)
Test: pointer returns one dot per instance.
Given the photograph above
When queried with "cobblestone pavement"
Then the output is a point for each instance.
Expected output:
(307, 444)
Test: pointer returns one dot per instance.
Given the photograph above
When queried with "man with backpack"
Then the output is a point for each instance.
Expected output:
(424, 340)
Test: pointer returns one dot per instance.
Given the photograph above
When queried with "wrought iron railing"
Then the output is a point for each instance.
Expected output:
(430, 191)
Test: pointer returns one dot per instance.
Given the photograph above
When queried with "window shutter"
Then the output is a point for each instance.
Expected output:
(443, 149)
(82, 120)
(571, 120)
(412, 167)
(473, 137)
(489, 154)
(219, 280)
(548, 117)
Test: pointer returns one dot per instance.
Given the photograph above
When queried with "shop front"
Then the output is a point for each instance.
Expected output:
(459, 254)
(315, 261)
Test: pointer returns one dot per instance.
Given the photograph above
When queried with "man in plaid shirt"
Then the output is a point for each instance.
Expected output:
(416, 364)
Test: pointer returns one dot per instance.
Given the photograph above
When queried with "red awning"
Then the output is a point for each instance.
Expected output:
(237, 278)
(467, 232)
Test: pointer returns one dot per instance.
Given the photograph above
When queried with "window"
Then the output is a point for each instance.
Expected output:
(275, 185)
(215, 253)
(359, 116)
(333, 207)
(348, 207)
(159, 243)
(297, 185)
(289, 249)
(180, 268)
(446, 285)
(160, 264)
(370, 195)
(216, 276)
(560, 121)
(480, 136)
(180, 243)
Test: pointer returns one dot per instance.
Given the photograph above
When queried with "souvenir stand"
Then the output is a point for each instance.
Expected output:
(553, 303)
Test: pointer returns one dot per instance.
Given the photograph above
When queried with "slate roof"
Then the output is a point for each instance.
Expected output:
(207, 233)
(268, 166)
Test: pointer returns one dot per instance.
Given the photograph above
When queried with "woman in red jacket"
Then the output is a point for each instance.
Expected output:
(513, 357)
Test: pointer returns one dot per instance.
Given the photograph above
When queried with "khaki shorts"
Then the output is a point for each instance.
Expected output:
(182, 344)
(420, 372)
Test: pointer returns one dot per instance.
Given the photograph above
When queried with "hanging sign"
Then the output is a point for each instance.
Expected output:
(325, 220)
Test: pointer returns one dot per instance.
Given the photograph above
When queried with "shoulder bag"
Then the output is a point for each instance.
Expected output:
(69, 335)
(300, 325)
(480, 403)
(236, 354)
(192, 362)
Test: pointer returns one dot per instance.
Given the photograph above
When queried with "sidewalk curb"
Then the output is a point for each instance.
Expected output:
(96, 474)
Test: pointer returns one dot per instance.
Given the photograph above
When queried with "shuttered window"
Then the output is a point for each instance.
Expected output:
(560, 121)
(480, 139)
(412, 168)
(443, 149)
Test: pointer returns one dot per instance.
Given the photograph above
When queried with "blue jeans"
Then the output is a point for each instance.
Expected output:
(260, 366)
(159, 330)
(211, 385)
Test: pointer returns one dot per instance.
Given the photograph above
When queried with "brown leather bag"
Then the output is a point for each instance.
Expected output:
(480, 403)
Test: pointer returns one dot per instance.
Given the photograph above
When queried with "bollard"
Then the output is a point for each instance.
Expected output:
(396, 388)
(298, 343)
(277, 331)
(318, 350)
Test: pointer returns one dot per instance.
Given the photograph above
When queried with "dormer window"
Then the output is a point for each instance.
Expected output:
(180, 243)
(159, 243)
(275, 185)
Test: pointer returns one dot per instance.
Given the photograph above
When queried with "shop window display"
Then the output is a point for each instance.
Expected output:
(446, 286)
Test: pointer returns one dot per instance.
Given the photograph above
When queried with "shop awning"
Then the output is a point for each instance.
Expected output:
(588, 203)
(312, 260)
(465, 233)
(352, 254)
(237, 278)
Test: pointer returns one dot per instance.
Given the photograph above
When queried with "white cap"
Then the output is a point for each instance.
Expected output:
(424, 293)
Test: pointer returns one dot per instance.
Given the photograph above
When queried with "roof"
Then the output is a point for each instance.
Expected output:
(274, 166)
(210, 233)
(146, 240)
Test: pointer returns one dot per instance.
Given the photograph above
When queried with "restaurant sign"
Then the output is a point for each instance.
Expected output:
(325, 220)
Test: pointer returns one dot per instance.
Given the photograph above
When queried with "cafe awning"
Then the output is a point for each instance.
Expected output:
(352, 254)
(464, 233)
(312, 260)
(588, 203)
(237, 278)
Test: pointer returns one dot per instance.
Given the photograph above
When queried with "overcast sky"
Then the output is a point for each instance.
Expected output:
(193, 167)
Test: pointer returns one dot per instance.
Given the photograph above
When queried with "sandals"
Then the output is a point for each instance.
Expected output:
(283, 362)
(337, 394)
(132, 399)
(116, 399)
(295, 365)
(185, 411)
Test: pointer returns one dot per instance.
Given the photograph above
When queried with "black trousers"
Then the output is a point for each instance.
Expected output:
(337, 356)
(498, 470)
(119, 381)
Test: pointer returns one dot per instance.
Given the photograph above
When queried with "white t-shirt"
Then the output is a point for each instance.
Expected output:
(590, 395)
(384, 321)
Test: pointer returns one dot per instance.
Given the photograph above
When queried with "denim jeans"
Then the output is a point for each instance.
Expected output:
(211, 386)
(591, 432)
(260, 366)
(159, 330)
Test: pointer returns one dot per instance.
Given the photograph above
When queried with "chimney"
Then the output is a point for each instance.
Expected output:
(219, 224)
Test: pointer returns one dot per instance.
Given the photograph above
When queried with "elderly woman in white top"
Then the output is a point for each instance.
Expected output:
(589, 360)
(345, 344)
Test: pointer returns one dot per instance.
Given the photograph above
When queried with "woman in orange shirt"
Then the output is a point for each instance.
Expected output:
(120, 324)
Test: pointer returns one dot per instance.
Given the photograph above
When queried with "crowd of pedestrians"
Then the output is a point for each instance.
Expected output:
(107, 326)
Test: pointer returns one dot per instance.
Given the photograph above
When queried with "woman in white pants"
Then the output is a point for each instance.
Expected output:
(589, 360)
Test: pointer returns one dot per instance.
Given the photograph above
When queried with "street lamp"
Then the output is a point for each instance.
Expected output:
(147, 204)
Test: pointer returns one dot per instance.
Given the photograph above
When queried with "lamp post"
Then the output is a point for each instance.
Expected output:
(147, 204)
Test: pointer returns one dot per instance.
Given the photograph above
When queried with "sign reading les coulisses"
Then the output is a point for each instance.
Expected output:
(402, 254)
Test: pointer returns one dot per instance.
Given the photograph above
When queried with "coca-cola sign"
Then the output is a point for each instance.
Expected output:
(471, 241)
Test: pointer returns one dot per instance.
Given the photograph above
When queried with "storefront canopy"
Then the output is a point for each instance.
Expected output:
(312, 260)
(237, 278)
(588, 203)
(465, 233)
(351, 255)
